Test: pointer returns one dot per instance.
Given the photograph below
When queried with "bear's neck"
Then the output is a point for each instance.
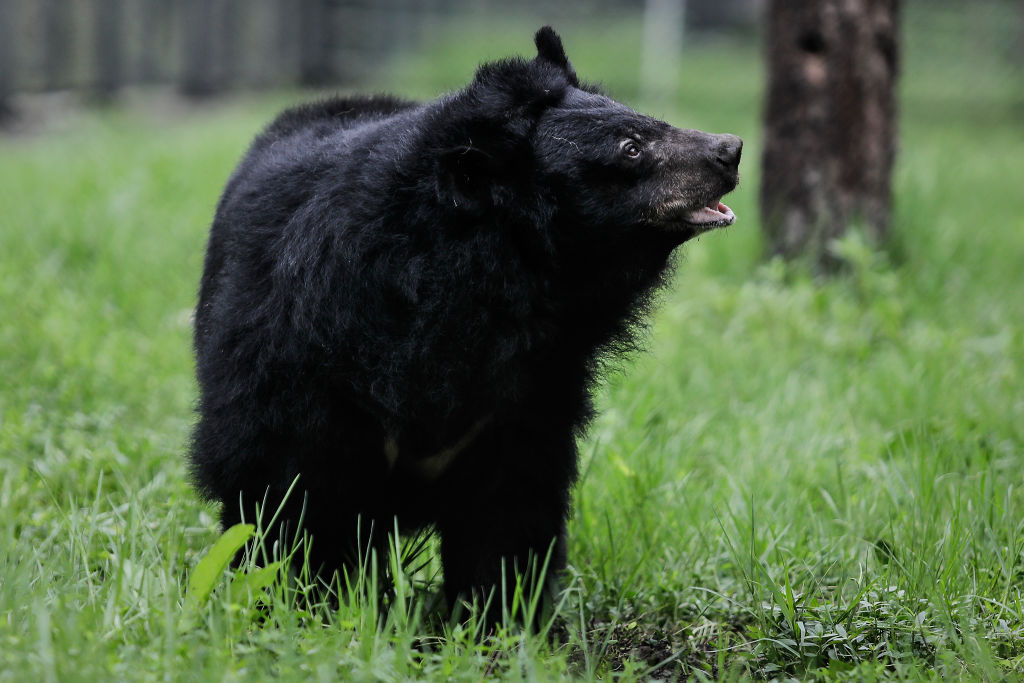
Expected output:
(608, 290)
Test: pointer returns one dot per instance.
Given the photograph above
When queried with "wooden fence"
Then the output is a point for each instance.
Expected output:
(201, 46)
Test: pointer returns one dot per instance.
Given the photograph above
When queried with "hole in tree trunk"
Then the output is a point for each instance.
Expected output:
(887, 46)
(811, 42)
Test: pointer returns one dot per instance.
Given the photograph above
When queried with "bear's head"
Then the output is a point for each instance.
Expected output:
(529, 128)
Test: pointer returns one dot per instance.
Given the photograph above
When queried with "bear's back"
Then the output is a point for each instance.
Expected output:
(334, 113)
(337, 113)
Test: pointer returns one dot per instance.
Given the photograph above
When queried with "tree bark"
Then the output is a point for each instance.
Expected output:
(830, 123)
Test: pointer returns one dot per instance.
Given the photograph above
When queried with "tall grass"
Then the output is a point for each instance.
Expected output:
(802, 477)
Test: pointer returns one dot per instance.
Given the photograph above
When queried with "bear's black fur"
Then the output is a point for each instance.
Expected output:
(406, 304)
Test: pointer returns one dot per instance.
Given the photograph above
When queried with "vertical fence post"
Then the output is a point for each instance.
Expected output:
(8, 59)
(107, 45)
(156, 20)
(56, 35)
(198, 73)
(660, 67)
(231, 17)
(315, 67)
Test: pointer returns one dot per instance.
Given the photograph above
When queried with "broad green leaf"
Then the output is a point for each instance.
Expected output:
(204, 576)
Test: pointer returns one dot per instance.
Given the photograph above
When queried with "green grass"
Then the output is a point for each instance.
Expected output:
(803, 477)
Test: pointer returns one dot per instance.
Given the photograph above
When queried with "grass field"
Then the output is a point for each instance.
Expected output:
(803, 477)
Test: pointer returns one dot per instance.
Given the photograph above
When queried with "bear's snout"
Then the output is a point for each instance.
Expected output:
(726, 152)
(711, 150)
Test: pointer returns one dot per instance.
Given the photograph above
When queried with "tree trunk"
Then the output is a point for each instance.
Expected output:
(830, 122)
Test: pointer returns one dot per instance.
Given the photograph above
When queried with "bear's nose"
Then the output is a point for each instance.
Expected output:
(727, 150)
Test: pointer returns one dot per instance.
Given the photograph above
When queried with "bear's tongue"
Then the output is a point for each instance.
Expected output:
(713, 214)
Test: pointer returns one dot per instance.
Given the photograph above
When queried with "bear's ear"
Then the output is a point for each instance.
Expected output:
(549, 49)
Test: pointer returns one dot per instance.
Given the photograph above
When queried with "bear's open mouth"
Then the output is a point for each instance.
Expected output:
(713, 214)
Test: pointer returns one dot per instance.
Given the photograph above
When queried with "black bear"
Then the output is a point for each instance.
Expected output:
(405, 305)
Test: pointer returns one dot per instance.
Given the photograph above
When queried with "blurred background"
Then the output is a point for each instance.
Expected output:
(202, 47)
(206, 47)
(937, 60)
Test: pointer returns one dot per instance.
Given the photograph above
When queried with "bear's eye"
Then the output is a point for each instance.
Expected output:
(630, 148)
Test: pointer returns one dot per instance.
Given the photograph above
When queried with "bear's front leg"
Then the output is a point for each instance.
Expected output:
(507, 521)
